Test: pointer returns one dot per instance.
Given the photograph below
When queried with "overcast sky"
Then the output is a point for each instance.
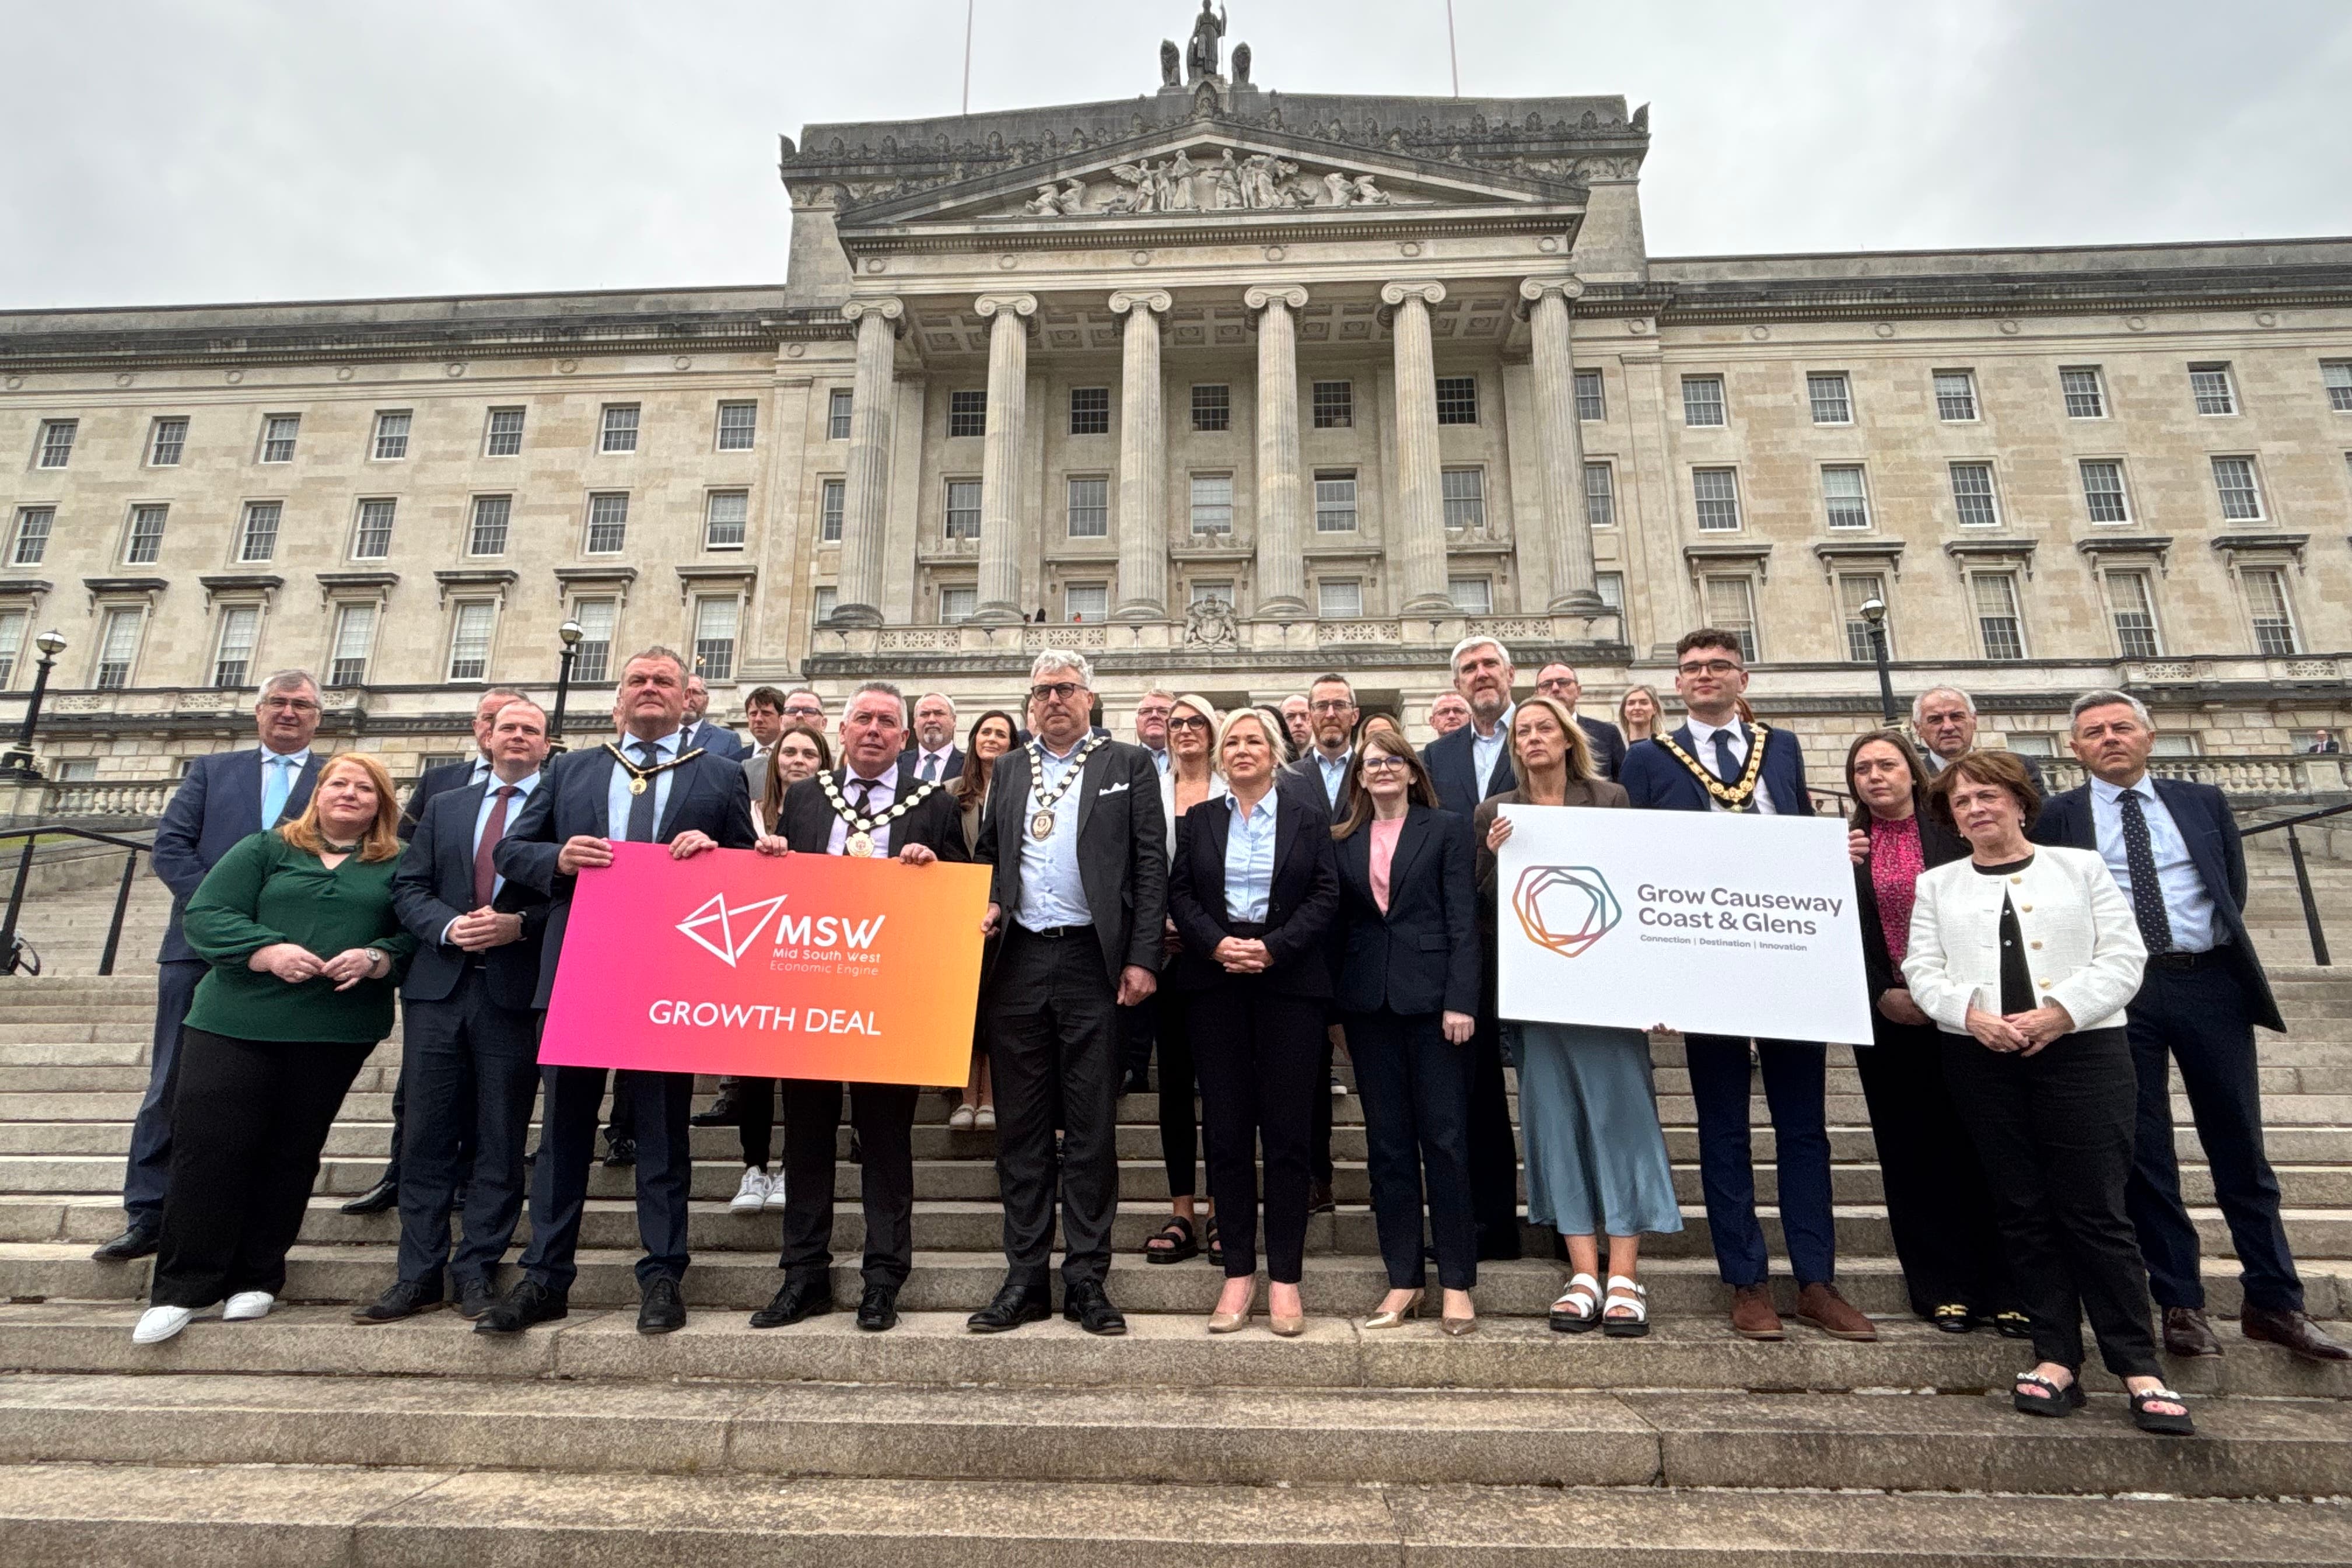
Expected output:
(270, 149)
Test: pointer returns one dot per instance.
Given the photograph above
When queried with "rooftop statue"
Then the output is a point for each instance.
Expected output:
(1207, 39)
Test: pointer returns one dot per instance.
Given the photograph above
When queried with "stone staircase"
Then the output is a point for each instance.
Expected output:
(306, 1440)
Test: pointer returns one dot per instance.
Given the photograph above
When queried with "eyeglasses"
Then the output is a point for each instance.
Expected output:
(1194, 724)
(1330, 706)
(1060, 692)
(1548, 686)
(1384, 765)
(290, 704)
(1709, 666)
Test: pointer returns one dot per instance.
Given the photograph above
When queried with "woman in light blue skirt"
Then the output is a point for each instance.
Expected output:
(1596, 1159)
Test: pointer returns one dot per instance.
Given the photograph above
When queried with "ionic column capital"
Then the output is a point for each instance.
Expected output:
(890, 307)
(1533, 290)
(991, 304)
(1259, 298)
(1157, 302)
(1429, 292)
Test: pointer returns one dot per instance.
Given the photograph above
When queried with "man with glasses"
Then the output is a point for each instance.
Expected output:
(222, 799)
(1152, 724)
(1715, 761)
(717, 738)
(1074, 832)
(1448, 712)
(803, 706)
(1559, 681)
(1322, 769)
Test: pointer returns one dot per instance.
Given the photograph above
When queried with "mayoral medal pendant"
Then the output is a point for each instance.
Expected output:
(637, 784)
(860, 844)
(1041, 827)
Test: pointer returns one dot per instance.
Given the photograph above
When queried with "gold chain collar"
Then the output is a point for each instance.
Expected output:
(1736, 796)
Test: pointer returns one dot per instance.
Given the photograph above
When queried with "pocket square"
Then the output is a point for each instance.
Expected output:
(1111, 789)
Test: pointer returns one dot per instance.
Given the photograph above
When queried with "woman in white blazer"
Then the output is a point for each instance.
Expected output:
(2025, 957)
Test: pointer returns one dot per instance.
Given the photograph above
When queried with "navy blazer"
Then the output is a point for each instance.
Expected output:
(1654, 779)
(1122, 847)
(911, 759)
(1422, 955)
(1607, 743)
(1306, 776)
(217, 805)
(718, 739)
(1456, 773)
(2216, 848)
(434, 885)
(707, 793)
(1299, 910)
(435, 783)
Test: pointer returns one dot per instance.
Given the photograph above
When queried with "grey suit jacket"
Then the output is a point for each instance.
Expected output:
(1122, 847)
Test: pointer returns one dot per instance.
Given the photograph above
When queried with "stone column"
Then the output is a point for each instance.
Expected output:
(865, 505)
(1559, 446)
(1281, 507)
(1142, 459)
(1421, 504)
(1000, 461)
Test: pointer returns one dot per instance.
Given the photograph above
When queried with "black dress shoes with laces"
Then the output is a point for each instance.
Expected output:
(1014, 1305)
(663, 1310)
(475, 1297)
(2295, 1331)
(133, 1244)
(722, 1113)
(1085, 1304)
(878, 1309)
(377, 1198)
(403, 1299)
(801, 1298)
(529, 1302)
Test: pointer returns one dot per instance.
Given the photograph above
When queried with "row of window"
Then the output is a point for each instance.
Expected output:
(1331, 406)
(2081, 389)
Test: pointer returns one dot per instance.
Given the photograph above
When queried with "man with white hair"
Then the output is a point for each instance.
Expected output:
(1474, 760)
(934, 758)
(1945, 720)
(1074, 833)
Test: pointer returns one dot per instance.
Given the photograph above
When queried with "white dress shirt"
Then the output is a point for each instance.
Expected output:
(1486, 751)
(2188, 906)
(935, 760)
(1703, 748)
(523, 787)
(1052, 891)
(884, 795)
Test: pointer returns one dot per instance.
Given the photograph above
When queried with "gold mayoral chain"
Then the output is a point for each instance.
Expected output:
(640, 778)
(1041, 821)
(860, 841)
(1735, 796)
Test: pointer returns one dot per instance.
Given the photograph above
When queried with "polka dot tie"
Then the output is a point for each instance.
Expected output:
(2147, 893)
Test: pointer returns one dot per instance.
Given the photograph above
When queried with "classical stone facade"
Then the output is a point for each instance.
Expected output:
(1233, 386)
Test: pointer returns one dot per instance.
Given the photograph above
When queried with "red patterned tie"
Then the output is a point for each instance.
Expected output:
(486, 874)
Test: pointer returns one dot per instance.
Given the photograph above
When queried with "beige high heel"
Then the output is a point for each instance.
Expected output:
(1385, 1319)
(1231, 1322)
(1287, 1328)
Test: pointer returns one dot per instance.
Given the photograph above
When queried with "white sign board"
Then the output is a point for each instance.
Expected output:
(1708, 923)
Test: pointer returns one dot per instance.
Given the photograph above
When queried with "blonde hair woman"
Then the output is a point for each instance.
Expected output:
(1192, 778)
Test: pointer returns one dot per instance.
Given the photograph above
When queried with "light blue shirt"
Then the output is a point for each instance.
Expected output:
(1486, 751)
(1052, 892)
(1335, 773)
(617, 797)
(1249, 858)
(2188, 906)
(482, 820)
(280, 774)
(1159, 759)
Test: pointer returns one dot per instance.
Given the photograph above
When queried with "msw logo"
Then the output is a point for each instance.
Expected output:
(716, 920)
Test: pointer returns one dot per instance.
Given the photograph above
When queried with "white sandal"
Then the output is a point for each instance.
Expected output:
(1579, 1307)
(1625, 1293)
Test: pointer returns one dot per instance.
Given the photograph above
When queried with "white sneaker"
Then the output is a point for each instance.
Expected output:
(775, 1190)
(247, 1305)
(753, 1193)
(984, 1118)
(157, 1324)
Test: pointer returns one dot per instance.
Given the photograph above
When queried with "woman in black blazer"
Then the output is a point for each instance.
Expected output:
(1407, 943)
(1252, 890)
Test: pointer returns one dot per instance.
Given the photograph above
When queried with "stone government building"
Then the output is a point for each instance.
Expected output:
(1233, 385)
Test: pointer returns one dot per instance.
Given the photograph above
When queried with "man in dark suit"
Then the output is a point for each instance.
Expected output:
(221, 800)
(1076, 836)
(1603, 739)
(692, 802)
(874, 807)
(1713, 762)
(932, 755)
(1320, 774)
(473, 770)
(717, 738)
(1945, 720)
(2174, 851)
(470, 1052)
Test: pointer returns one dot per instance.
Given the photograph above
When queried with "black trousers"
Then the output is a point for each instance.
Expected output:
(148, 1175)
(2197, 1017)
(622, 1122)
(1053, 1049)
(2054, 1130)
(1493, 1149)
(1179, 1132)
(1138, 1031)
(884, 1115)
(755, 1112)
(1260, 1057)
(248, 1121)
(469, 1069)
(1416, 1092)
(1321, 1152)
(1937, 1202)
(661, 1103)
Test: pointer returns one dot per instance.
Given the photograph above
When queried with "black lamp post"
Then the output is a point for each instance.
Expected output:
(19, 765)
(570, 633)
(1874, 611)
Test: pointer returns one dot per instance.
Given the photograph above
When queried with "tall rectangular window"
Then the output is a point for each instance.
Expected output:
(1717, 493)
(118, 647)
(1212, 407)
(1091, 411)
(1856, 589)
(1703, 400)
(2274, 616)
(1972, 495)
(739, 426)
(597, 619)
(832, 501)
(1731, 604)
(56, 443)
(1086, 604)
(1472, 596)
(1998, 626)
(2086, 399)
(1464, 491)
(2338, 379)
(145, 545)
(1334, 404)
(278, 433)
(392, 435)
(1844, 496)
(957, 605)
(963, 509)
(2209, 384)
(1090, 508)
(1611, 587)
(487, 533)
(1339, 598)
(726, 519)
(1600, 495)
(502, 436)
(822, 603)
(354, 636)
(2132, 602)
(608, 524)
(1832, 399)
(165, 442)
(32, 539)
(1205, 589)
(619, 432)
(1335, 501)
(968, 414)
(715, 619)
(1591, 398)
(837, 405)
(470, 640)
(240, 628)
(1956, 395)
(12, 642)
(2103, 490)
(2241, 497)
(257, 540)
(372, 539)
(1212, 503)
(1457, 400)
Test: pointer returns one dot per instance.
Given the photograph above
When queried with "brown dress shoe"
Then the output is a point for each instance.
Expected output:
(2187, 1334)
(2295, 1331)
(1752, 1317)
(1821, 1306)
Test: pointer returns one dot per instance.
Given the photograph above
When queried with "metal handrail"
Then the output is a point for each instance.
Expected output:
(32, 836)
(2303, 873)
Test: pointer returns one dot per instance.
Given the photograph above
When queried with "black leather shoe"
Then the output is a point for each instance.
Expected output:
(620, 1151)
(722, 1113)
(475, 1297)
(2295, 1331)
(803, 1298)
(404, 1299)
(1318, 1197)
(136, 1243)
(663, 1311)
(880, 1309)
(529, 1302)
(1014, 1305)
(377, 1198)
(2187, 1333)
(1136, 1083)
(1086, 1305)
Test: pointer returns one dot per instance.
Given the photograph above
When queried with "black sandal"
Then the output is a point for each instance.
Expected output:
(2061, 1400)
(1216, 1246)
(2012, 1325)
(1952, 1318)
(1182, 1243)
(2157, 1422)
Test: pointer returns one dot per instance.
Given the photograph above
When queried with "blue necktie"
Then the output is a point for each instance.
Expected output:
(641, 807)
(277, 783)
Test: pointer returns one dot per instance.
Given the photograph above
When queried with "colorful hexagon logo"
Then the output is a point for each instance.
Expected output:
(1565, 908)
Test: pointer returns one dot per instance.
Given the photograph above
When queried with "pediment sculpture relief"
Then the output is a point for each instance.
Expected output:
(1259, 183)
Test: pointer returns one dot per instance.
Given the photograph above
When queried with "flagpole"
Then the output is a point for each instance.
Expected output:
(1452, 53)
(967, 6)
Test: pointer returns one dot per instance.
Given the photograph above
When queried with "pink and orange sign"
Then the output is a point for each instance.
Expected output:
(813, 966)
